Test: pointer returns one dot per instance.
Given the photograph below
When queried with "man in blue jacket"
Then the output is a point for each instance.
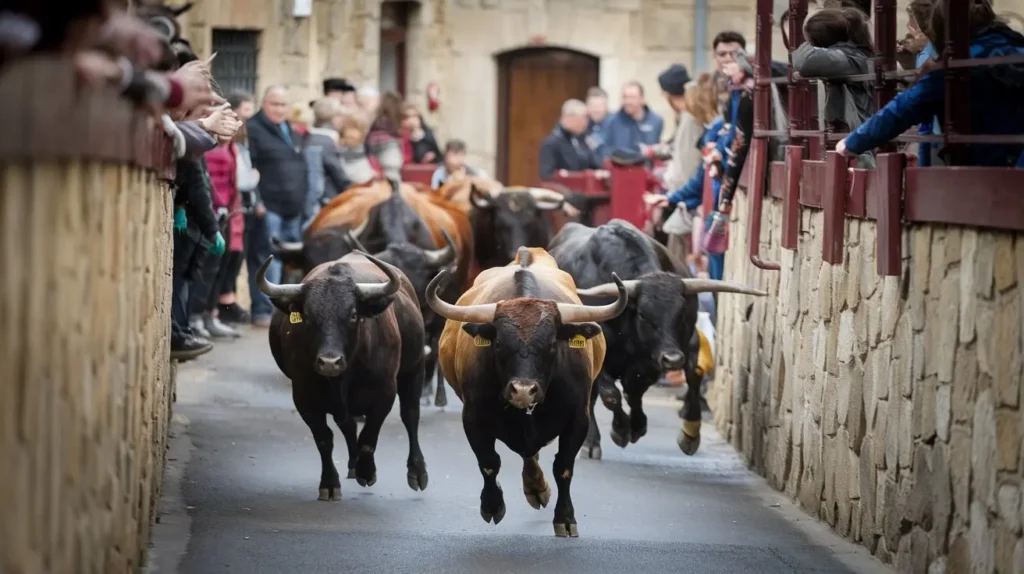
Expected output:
(634, 126)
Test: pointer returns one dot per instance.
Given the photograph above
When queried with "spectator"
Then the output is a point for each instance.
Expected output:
(339, 89)
(685, 155)
(725, 46)
(996, 92)
(276, 152)
(419, 143)
(685, 174)
(354, 159)
(597, 113)
(917, 43)
(246, 178)
(635, 127)
(564, 149)
(368, 99)
(454, 167)
(383, 142)
(323, 159)
(839, 44)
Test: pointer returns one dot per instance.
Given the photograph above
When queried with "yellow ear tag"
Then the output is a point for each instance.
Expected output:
(578, 342)
(481, 342)
(295, 317)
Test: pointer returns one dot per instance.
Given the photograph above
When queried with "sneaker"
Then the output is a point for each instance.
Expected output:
(188, 348)
(218, 329)
(195, 322)
(232, 314)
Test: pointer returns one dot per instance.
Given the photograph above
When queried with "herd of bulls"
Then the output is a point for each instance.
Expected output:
(528, 345)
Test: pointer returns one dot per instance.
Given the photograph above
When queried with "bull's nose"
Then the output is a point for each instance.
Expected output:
(330, 365)
(522, 394)
(672, 360)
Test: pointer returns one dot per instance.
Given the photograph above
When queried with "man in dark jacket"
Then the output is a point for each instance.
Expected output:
(565, 148)
(276, 151)
(323, 159)
(635, 126)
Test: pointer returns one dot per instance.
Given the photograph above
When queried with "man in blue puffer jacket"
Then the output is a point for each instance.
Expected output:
(996, 93)
(635, 125)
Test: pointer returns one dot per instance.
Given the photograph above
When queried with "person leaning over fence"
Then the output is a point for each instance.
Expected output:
(419, 145)
(917, 43)
(354, 159)
(383, 141)
(839, 44)
(995, 93)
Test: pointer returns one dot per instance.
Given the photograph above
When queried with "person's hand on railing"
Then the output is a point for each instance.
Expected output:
(654, 200)
(222, 124)
(841, 148)
(602, 173)
(194, 78)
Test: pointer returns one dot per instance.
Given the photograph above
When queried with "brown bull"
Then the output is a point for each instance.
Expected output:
(522, 352)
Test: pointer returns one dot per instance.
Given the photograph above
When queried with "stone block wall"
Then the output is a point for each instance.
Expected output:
(891, 407)
(85, 378)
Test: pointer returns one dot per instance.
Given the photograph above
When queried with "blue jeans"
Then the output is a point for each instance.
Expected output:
(257, 249)
(289, 229)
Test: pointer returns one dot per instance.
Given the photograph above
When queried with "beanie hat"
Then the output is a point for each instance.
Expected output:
(674, 79)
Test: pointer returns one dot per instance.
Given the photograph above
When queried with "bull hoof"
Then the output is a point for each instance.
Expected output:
(367, 482)
(591, 452)
(618, 439)
(637, 434)
(441, 402)
(687, 443)
(494, 517)
(540, 499)
(565, 529)
(417, 479)
(330, 494)
(351, 473)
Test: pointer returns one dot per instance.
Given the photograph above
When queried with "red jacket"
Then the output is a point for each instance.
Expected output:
(222, 166)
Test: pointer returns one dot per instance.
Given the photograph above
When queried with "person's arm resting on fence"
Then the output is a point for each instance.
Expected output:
(914, 106)
(739, 149)
(691, 193)
(812, 62)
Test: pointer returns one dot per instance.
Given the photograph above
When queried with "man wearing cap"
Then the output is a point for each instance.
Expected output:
(685, 155)
(339, 89)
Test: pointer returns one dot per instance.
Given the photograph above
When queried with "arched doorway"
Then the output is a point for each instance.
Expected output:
(532, 85)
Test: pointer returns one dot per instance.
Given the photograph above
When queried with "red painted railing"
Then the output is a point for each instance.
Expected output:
(896, 191)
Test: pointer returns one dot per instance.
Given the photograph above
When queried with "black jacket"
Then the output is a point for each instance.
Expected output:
(192, 191)
(282, 167)
(563, 150)
(428, 143)
(332, 179)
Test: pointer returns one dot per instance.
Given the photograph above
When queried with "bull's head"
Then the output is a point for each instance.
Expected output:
(419, 265)
(331, 305)
(517, 216)
(661, 316)
(523, 337)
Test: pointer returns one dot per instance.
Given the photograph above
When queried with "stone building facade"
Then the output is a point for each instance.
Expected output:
(457, 43)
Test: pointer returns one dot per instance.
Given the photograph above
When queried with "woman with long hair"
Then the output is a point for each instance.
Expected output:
(383, 141)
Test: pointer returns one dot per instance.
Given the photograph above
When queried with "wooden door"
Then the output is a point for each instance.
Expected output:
(533, 83)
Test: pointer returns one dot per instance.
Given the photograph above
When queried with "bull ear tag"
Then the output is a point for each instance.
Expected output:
(481, 342)
(294, 317)
(578, 342)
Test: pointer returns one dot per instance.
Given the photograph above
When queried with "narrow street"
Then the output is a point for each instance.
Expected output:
(240, 495)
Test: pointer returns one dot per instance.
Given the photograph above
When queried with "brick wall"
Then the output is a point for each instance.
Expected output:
(888, 407)
(85, 379)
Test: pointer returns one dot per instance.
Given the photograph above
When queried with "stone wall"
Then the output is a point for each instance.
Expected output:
(888, 407)
(85, 379)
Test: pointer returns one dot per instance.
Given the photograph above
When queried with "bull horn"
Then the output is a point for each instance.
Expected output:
(282, 247)
(693, 285)
(608, 289)
(370, 291)
(359, 229)
(281, 292)
(479, 198)
(524, 257)
(440, 257)
(546, 199)
(353, 242)
(466, 314)
(572, 313)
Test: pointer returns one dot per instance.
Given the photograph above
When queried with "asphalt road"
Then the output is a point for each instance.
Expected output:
(240, 495)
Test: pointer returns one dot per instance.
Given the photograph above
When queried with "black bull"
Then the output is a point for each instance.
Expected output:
(350, 338)
(513, 218)
(656, 333)
(399, 237)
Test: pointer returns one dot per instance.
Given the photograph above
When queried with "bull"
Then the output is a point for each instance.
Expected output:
(350, 337)
(512, 218)
(656, 333)
(378, 216)
(522, 353)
